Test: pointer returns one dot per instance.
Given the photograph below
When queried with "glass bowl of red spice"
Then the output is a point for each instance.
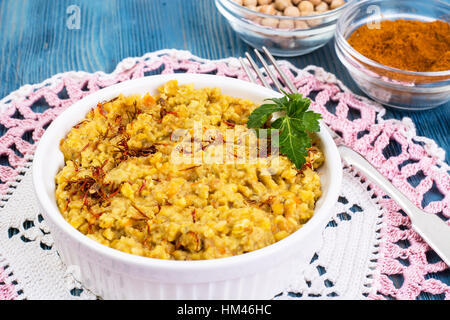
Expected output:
(398, 52)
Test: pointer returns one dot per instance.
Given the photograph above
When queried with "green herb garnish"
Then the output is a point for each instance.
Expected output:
(294, 126)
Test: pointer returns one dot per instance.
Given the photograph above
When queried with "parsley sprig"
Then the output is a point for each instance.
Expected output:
(295, 124)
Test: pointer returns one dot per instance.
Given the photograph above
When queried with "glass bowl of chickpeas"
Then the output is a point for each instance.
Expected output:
(286, 27)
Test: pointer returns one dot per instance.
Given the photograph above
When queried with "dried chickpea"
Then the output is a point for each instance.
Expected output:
(256, 20)
(313, 22)
(321, 7)
(270, 22)
(280, 5)
(286, 24)
(301, 25)
(250, 2)
(315, 2)
(306, 7)
(296, 2)
(336, 4)
(291, 11)
(267, 9)
(263, 2)
(328, 1)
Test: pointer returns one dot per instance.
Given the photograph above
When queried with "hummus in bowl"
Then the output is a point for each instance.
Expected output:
(140, 226)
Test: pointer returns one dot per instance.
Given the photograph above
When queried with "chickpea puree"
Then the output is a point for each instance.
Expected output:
(120, 188)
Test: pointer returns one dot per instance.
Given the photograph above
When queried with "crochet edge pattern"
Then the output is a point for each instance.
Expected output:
(126, 66)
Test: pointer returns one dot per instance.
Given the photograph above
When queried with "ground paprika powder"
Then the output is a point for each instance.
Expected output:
(406, 44)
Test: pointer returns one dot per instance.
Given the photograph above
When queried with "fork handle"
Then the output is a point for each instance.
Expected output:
(429, 226)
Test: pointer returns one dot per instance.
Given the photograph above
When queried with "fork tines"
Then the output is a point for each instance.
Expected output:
(288, 83)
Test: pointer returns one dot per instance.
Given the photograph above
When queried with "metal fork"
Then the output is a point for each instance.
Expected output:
(429, 226)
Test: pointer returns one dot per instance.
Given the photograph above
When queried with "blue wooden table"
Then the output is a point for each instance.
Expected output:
(36, 43)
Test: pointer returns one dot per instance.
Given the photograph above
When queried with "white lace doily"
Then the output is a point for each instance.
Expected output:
(341, 269)
(348, 264)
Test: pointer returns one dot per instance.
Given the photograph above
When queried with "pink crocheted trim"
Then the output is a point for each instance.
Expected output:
(401, 252)
(8, 291)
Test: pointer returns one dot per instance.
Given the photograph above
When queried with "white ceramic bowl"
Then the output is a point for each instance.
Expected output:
(113, 274)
